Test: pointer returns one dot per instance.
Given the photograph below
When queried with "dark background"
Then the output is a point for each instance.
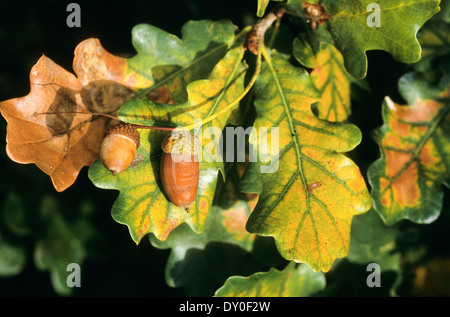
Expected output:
(117, 266)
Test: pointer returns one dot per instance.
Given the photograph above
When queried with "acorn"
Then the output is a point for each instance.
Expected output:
(180, 167)
(119, 147)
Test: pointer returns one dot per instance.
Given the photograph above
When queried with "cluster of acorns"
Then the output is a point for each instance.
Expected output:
(179, 160)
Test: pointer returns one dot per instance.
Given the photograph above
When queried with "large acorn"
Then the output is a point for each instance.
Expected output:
(119, 147)
(180, 167)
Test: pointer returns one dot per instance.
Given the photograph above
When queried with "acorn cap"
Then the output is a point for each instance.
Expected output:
(127, 130)
(181, 141)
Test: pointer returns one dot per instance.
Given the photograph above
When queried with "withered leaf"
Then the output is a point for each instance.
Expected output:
(43, 128)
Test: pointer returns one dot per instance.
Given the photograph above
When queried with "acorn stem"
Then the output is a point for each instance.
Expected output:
(138, 126)
(80, 112)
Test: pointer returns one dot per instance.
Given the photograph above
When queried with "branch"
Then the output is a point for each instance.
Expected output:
(256, 35)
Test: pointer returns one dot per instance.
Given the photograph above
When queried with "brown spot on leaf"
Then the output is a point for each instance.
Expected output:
(313, 186)
(161, 95)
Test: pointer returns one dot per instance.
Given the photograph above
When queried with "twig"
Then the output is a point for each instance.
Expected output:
(256, 35)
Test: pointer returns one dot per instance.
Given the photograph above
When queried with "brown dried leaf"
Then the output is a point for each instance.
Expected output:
(92, 62)
(62, 143)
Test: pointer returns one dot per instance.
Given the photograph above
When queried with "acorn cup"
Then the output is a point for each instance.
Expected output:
(119, 147)
(180, 167)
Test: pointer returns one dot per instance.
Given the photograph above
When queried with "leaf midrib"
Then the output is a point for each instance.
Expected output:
(299, 162)
(176, 73)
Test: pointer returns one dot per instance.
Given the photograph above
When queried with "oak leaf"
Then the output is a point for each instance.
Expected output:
(310, 191)
(43, 127)
(295, 280)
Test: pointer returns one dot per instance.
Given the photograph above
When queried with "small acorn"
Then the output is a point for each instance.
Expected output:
(119, 147)
(180, 167)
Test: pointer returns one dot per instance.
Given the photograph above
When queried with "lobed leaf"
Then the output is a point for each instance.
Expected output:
(142, 204)
(414, 144)
(330, 78)
(295, 280)
(168, 62)
(62, 143)
(353, 28)
(308, 199)
(93, 63)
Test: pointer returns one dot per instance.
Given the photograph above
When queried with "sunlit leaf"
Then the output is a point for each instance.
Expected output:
(309, 194)
(167, 61)
(142, 204)
(362, 25)
(330, 78)
(93, 63)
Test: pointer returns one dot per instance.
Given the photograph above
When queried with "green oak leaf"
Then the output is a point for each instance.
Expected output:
(399, 24)
(354, 30)
(309, 191)
(171, 62)
(295, 280)
(142, 204)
